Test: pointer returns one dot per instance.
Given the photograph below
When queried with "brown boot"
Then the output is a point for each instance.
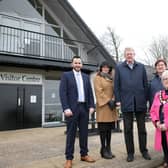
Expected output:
(87, 158)
(68, 164)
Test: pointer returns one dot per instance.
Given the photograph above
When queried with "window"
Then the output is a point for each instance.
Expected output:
(53, 109)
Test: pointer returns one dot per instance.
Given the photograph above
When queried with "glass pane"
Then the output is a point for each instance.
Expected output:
(53, 47)
(52, 30)
(70, 51)
(9, 40)
(53, 113)
(53, 109)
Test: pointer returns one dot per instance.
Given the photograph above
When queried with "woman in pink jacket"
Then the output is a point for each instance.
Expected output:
(159, 116)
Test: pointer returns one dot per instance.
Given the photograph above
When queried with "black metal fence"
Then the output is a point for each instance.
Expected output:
(29, 43)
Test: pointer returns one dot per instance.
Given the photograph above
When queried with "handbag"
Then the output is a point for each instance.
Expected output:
(112, 104)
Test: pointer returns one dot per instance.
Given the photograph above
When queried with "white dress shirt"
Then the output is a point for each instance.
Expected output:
(80, 86)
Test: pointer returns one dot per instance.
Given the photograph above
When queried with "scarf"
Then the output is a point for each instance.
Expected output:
(106, 76)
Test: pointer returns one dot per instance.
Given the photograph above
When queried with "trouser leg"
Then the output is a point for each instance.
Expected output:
(70, 138)
(165, 146)
(142, 135)
(128, 131)
(83, 129)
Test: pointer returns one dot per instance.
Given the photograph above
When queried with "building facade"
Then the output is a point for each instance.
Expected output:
(38, 39)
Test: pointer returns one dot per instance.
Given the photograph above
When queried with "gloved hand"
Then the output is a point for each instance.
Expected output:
(112, 104)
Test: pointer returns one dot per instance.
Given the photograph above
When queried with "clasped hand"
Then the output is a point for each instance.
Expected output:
(91, 110)
(68, 112)
(160, 126)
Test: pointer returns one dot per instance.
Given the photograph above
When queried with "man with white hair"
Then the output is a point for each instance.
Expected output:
(130, 87)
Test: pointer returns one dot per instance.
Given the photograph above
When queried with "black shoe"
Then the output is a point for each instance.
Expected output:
(109, 152)
(105, 154)
(130, 157)
(146, 156)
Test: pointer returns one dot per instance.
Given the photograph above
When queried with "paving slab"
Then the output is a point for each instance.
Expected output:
(44, 148)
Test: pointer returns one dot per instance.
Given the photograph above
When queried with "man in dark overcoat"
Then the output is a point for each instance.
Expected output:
(130, 87)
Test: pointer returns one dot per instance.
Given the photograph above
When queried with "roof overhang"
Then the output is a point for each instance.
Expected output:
(42, 63)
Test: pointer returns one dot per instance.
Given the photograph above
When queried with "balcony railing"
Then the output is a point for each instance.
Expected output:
(28, 43)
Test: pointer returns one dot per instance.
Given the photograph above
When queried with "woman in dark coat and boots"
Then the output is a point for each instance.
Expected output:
(106, 114)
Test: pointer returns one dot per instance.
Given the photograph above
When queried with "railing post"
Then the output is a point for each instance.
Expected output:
(62, 43)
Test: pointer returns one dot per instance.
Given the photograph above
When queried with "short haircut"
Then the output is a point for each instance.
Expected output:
(160, 60)
(128, 49)
(76, 56)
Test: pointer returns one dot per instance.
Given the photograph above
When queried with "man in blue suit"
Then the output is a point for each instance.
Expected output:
(77, 102)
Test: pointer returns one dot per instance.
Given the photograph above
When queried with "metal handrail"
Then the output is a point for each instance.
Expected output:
(29, 43)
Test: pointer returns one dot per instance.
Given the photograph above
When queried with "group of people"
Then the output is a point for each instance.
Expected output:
(127, 88)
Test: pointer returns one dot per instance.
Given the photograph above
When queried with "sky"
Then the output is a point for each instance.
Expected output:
(137, 22)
